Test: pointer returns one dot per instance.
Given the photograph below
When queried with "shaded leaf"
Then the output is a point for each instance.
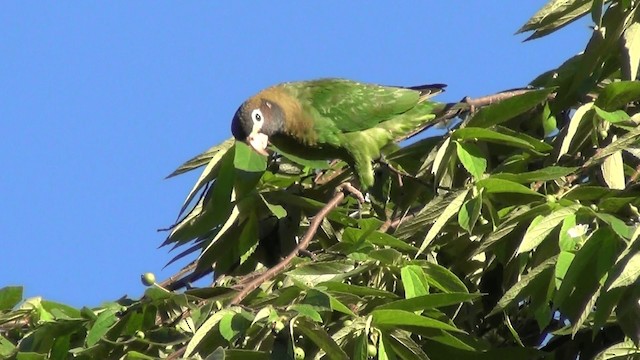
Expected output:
(393, 318)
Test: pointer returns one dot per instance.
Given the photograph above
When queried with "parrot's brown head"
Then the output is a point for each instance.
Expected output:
(255, 121)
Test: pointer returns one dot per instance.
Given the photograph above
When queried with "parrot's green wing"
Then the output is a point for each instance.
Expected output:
(352, 106)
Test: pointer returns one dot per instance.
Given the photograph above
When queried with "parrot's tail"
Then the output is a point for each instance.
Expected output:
(429, 90)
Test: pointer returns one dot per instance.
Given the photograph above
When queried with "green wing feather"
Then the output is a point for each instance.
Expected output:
(352, 106)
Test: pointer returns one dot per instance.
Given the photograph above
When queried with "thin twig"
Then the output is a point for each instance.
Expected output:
(302, 245)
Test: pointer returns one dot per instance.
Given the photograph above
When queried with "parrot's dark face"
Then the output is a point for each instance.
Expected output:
(255, 121)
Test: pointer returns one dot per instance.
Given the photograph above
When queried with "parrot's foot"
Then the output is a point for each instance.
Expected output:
(347, 187)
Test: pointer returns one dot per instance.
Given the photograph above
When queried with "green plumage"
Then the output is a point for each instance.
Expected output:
(331, 118)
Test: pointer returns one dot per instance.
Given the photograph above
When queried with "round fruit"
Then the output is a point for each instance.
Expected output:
(298, 353)
(347, 322)
(372, 350)
(278, 326)
(139, 334)
(551, 198)
(148, 279)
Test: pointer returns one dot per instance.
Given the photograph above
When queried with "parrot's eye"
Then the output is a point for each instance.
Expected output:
(256, 115)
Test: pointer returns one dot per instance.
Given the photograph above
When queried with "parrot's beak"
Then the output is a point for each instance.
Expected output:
(258, 142)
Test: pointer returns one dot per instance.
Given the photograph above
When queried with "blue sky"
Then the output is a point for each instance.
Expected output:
(99, 101)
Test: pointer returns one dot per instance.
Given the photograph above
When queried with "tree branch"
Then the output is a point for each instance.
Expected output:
(302, 245)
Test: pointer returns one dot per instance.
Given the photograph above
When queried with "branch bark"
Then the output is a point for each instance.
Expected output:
(302, 245)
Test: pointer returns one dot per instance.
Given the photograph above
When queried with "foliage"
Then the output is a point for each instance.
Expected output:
(513, 235)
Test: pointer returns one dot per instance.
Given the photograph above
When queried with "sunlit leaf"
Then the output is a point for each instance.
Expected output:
(414, 281)
(508, 109)
(447, 214)
(555, 15)
(575, 122)
(631, 51)
(538, 231)
(472, 158)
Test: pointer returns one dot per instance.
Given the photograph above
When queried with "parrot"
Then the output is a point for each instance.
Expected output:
(335, 118)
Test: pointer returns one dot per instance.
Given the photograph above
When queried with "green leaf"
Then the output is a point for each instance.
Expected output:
(206, 328)
(581, 113)
(319, 336)
(404, 346)
(277, 210)
(618, 94)
(101, 326)
(548, 120)
(613, 171)
(307, 310)
(470, 212)
(204, 158)
(215, 209)
(631, 51)
(614, 117)
(313, 164)
(134, 355)
(360, 351)
(531, 282)
(442, 220)
(630, 273)
(10, 296)
(622, 350)
(494, 185)
(472, 158)
(544, 174)
(429, 301)
(394, 318)
(477, 133)
(232, 325)
(442, 278)
(567, 242)
(356, 289)
(538, 231)
(30, 356)
(414, 281)
(555, 15)
(6, 347)
(617, 225)
(247, 159)
(565, 258)
(592, 258)
(622, 143)
(508, 109)
(312, 274)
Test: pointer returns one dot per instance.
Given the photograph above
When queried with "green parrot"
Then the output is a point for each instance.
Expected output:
(334, 118)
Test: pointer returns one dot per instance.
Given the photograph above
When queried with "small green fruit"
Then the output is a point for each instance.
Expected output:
(278, 326)
(148, 279)
(298, 353)
(347, 322)
(139, 334)
(372, 350)
(551, 198)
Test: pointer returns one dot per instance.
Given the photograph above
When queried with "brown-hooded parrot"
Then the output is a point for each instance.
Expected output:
(334, 118)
